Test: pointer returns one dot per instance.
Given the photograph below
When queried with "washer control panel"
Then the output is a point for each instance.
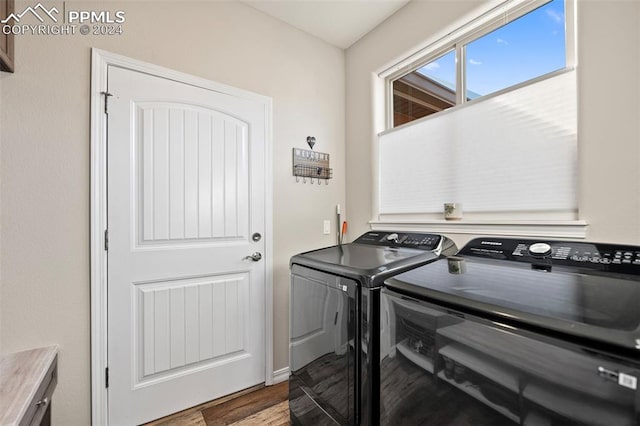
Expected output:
(400, 239)
(572, 253)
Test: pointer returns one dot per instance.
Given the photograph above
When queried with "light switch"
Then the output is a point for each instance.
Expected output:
(327, 227)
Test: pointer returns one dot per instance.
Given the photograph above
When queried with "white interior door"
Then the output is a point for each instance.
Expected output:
(186, 185)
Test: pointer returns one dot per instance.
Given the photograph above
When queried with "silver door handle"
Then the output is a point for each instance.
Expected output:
(255, 256)
(44, 402)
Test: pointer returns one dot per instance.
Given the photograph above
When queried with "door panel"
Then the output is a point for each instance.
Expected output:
(171, 338)
(193, 174)
(186, 184)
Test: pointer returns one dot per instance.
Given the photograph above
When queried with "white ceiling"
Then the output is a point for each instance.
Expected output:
(338, 22)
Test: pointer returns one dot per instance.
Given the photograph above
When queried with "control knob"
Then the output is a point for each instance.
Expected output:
(539, 249)
(393, 237)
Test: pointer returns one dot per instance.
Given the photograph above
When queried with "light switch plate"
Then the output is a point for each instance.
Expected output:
(327, 227)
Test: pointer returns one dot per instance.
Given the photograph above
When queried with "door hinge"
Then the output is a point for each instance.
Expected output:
(106, 377)
(106, 101)
(106, 240)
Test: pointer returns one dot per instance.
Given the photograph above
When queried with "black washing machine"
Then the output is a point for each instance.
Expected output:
(334, 323)
(513, 331)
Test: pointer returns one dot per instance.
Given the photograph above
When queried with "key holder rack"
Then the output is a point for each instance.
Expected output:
(311, 165)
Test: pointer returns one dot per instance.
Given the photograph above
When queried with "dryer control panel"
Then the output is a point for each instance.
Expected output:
(414, 240)
(610, 257)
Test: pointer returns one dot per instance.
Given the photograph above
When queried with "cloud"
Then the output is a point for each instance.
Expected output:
(501, 41)
(431, 66)
(555, 16)
(474, 62)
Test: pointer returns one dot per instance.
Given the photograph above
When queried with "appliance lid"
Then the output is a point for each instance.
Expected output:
(585, 303)
(373, 257)
(357, 256)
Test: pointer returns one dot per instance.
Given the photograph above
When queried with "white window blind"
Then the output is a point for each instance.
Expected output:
(513, 152)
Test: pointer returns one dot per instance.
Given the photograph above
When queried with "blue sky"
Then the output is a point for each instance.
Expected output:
(526, 48)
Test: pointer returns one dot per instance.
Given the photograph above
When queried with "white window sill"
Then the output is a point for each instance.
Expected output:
(574, 229)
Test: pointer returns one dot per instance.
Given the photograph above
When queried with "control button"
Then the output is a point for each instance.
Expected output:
(626, 260)
(605, 261)
(392, 237)
(539, 249)
(562, 253)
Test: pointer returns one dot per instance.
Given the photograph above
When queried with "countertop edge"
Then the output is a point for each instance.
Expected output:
(19, 404)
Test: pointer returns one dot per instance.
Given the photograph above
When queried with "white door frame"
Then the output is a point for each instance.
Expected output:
(100, 60)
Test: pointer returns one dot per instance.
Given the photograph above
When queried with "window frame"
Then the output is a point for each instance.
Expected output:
(497, 17)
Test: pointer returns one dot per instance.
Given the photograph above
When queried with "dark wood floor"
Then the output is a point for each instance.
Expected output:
(258, 405)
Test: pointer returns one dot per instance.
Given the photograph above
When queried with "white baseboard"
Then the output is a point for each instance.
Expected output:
(280, 375)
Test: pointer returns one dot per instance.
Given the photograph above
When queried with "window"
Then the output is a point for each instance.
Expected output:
(522, 50)
(498, 57)
(429, 89)
(507, 149)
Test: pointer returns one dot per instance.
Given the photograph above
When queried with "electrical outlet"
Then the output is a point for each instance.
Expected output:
(327, 227)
